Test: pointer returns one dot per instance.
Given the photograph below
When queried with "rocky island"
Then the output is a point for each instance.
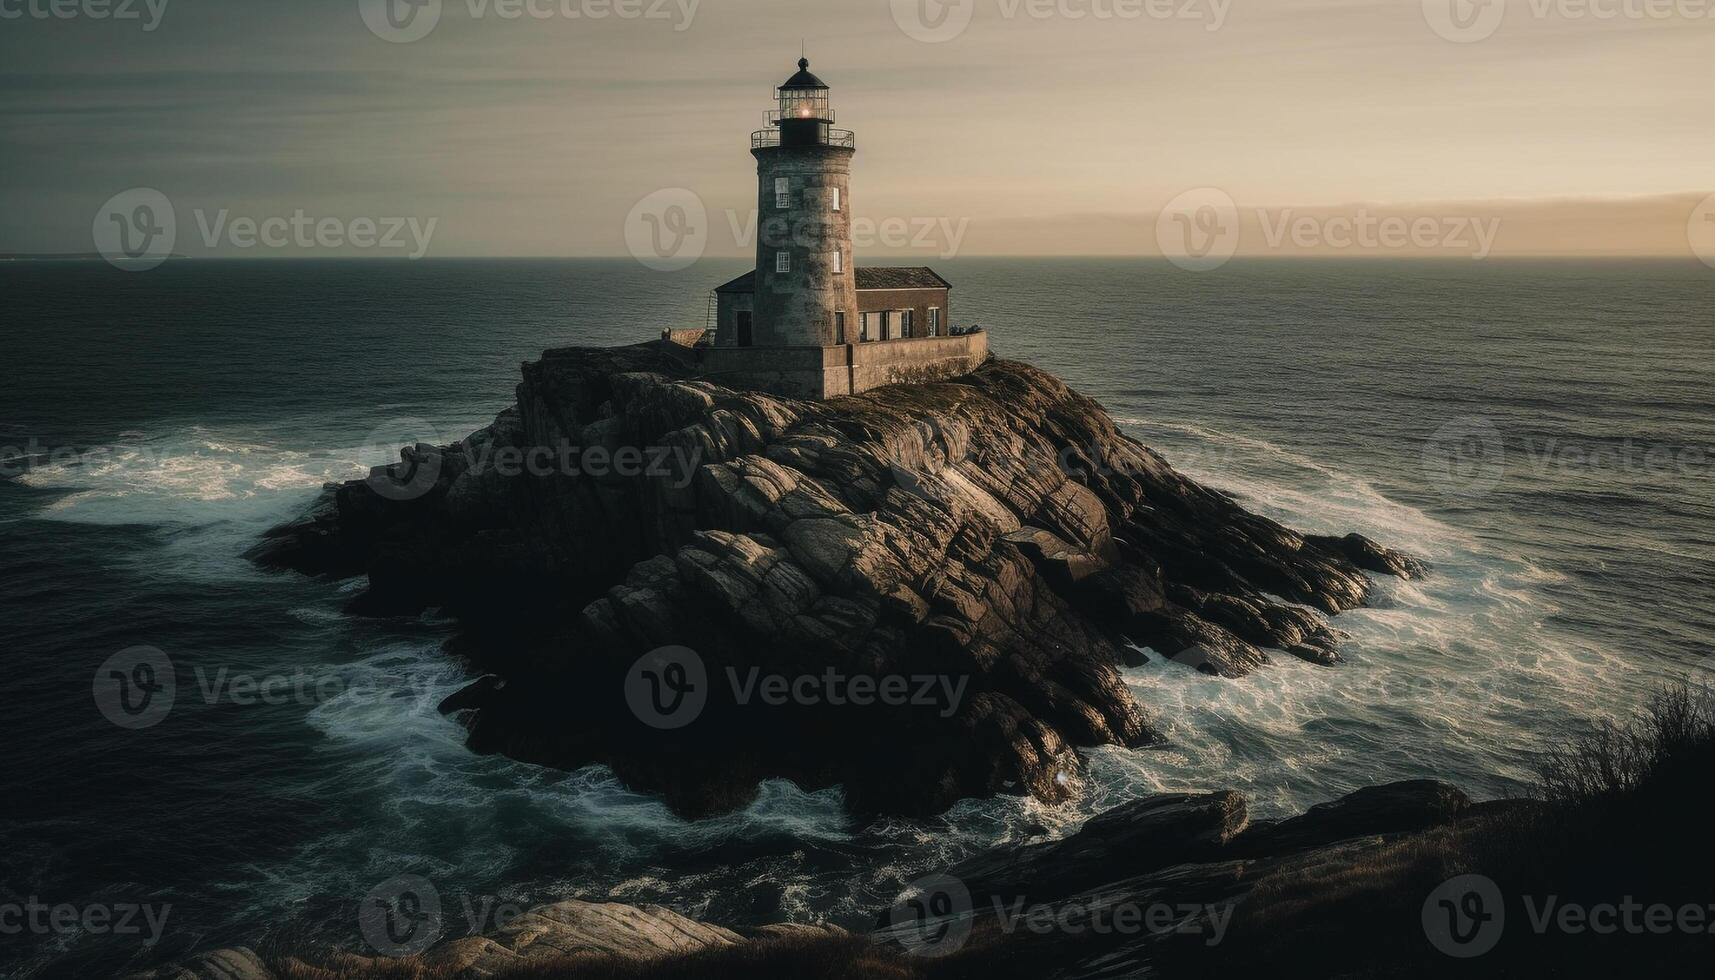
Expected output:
(995, 532)
(992, 542)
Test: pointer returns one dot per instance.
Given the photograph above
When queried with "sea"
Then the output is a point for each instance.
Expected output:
(1542, 433)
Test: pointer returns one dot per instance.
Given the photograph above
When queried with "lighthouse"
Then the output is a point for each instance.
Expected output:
(807, 321)
(806, 285)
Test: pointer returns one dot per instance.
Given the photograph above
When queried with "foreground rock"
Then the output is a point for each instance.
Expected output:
(1190, 865)
(993, 545)
(1154, 887)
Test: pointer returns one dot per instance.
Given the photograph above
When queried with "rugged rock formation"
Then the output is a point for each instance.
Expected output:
(1155, 886)
(978, 554)
(1149, 888)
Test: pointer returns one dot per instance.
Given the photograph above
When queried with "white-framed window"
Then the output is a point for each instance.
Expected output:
(836, 199)
(782, 192)
(782, 261)
(839, 261)
(905, 322)
(934, 321)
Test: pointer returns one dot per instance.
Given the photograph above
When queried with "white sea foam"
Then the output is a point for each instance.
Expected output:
(1454, 675)
(201, 475)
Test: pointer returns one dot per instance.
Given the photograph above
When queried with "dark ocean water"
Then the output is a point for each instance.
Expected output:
(1544, 433)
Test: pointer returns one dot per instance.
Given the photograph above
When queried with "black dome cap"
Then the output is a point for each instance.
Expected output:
(804, 79)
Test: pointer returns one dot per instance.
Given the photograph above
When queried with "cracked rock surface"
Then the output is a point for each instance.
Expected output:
(944, 579)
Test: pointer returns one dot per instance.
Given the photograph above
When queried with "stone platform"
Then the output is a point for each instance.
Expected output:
(829, 372)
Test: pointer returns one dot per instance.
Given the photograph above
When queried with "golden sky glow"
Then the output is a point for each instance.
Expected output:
(1046, 127)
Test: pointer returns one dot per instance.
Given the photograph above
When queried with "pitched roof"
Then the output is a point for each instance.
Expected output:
(868, 277)
(899, 277)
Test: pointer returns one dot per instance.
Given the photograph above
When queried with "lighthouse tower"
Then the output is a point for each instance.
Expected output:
(806, 287)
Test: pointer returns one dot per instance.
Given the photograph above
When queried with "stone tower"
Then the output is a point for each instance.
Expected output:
(806, 290)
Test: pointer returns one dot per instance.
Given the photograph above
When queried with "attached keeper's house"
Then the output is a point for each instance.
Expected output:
(808, 321)
(893, 303)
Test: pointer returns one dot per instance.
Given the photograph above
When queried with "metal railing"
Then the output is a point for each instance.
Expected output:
(771, 137)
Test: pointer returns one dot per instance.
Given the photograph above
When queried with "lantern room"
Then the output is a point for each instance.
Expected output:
(802, 116)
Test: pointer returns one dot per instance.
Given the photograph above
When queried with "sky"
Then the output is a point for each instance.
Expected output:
(543, 127)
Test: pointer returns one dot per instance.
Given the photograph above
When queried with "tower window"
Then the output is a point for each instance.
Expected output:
(782, 192)
(836, 199)
(839, 326)
(839, 261)
(782, 261)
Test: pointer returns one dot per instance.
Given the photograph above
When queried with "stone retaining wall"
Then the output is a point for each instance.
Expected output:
(829, 372)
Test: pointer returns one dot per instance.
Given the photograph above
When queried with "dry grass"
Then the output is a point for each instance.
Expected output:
(1619, 815)
(1662, 748)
